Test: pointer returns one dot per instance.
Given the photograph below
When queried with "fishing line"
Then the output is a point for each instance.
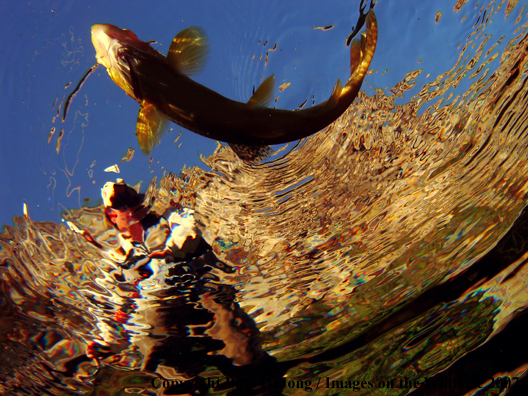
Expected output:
(361, 20)
(77, 88)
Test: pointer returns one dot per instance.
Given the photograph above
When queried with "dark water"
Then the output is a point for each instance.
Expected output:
(382, 255)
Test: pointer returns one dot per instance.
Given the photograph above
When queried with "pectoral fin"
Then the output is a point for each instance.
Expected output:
(152, 124)
(264, 93)
(188, 51)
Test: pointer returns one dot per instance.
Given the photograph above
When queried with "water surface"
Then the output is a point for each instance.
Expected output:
(387, 249)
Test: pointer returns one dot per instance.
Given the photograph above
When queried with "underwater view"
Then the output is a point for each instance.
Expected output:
(264, 198)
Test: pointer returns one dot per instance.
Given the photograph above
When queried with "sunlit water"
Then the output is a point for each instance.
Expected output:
(379, 249)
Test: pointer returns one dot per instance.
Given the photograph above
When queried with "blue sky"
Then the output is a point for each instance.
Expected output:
(46, 45)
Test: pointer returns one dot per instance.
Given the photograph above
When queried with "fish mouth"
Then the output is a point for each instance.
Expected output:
(108, 46)
(110, 42)
(103, 44)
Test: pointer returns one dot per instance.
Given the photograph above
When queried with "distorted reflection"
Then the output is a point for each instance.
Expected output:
(386, 251)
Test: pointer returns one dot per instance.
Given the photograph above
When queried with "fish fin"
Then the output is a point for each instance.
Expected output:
(332, 101)
(188, 51)
(362, 52)
(264, 93)
(356, 53)
(334, 98)
(251, 153)
(151, 125)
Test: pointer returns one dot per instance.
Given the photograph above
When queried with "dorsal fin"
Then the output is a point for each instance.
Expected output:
(188, 51)
(264, 93)
(151, 125)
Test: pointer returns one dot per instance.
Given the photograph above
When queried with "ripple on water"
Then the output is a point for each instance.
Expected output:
(389, 202)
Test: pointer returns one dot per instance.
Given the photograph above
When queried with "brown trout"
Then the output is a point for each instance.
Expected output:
(165, 92)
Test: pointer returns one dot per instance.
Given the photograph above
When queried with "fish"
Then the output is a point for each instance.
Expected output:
(163, 87)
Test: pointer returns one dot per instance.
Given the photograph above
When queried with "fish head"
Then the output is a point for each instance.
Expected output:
(113, 46)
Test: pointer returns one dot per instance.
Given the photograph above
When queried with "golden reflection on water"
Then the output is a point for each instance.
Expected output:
(416, 198)
(387, 202)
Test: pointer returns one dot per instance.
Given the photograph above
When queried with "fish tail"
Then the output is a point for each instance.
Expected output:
(362, 51)
(361, 54)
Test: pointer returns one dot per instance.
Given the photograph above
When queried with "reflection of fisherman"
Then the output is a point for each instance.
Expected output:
(177, 314)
